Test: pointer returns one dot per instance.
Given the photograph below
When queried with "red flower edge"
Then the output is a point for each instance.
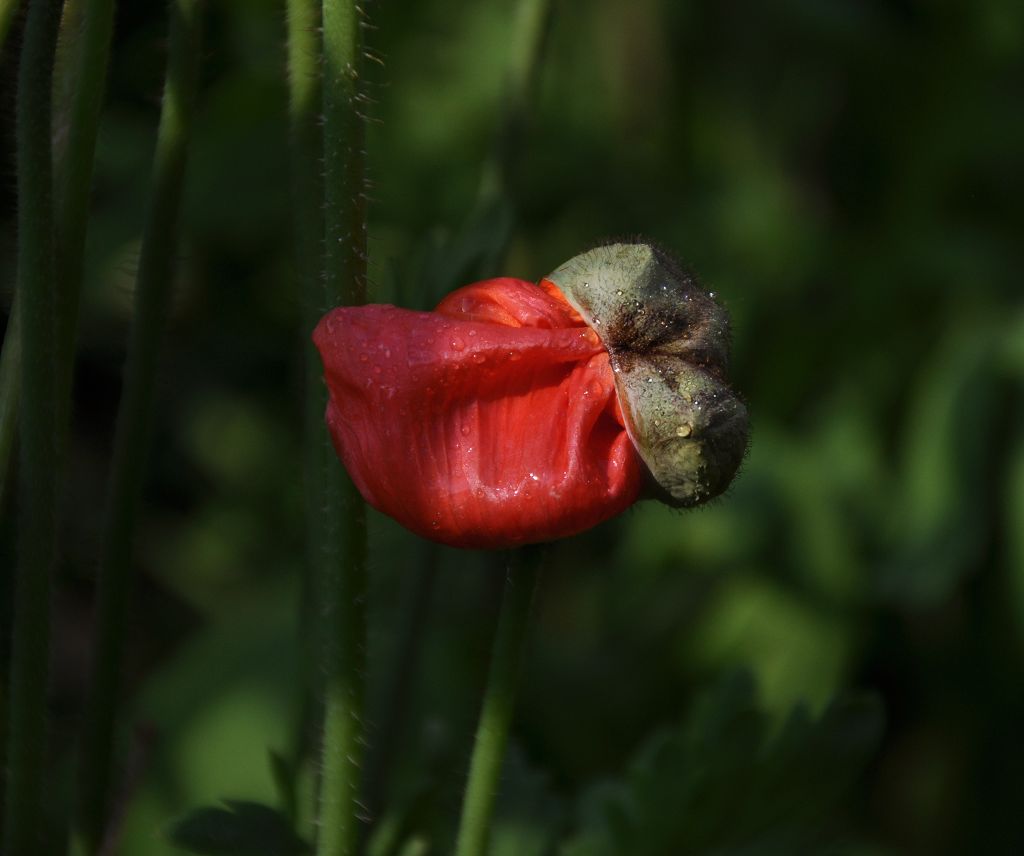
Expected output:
(491, 422)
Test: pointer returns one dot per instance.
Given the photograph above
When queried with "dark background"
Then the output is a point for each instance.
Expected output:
(846, 176)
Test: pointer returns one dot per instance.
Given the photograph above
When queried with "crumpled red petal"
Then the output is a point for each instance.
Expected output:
(490, 422)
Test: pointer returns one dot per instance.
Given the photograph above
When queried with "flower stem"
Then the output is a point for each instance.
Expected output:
(343, 570)
(81, 70)
(499, 701)
(308, 229)
(30, 643)
(153, 291)
(305, 153)
(86, 34)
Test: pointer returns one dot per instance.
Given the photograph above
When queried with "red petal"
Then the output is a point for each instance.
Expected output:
(490, 422)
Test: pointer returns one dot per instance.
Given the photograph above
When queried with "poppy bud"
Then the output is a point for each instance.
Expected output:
(669, 346)
(515, 413)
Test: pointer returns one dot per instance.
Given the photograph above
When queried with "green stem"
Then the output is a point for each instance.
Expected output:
(26, 754)
(8, 9)
(499, 702)
(308, 229)
(528, 40)
(343, 570)
(10, 397)
(88, 35)
(153, 291)
(81, 69)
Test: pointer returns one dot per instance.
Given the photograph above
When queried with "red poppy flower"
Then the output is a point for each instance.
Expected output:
(493, 421)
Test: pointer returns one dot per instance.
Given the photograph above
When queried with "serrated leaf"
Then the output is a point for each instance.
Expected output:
(721, 783)
(239, 829)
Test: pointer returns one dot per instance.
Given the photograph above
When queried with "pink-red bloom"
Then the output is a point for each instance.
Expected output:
(490, 422)
(516, 413)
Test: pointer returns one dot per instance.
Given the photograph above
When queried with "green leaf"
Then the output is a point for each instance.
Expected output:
(725, 782)
(241, 829)
(940, 529)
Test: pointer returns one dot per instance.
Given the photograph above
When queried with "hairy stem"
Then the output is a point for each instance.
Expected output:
(343, 570)
(304, 103)
(26, 754)
(153, 291)
(499, 702)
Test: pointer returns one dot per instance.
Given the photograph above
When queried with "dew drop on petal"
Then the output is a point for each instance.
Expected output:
(458, 344)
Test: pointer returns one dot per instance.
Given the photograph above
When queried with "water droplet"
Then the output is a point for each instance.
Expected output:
(512, 355)
(435, 524)
(479, 359)
(363, 358)
(472, 332)
(684, 430)
(464, 430)
(618, 291)
(596, 388)
(586, 285)
(712, 295)
(458, 344)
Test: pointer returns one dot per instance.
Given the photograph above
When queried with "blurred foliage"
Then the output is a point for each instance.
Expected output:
(240, 829)
(847, 177)
(720, 785)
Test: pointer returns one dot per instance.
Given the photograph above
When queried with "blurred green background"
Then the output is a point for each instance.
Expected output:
(846, 176)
